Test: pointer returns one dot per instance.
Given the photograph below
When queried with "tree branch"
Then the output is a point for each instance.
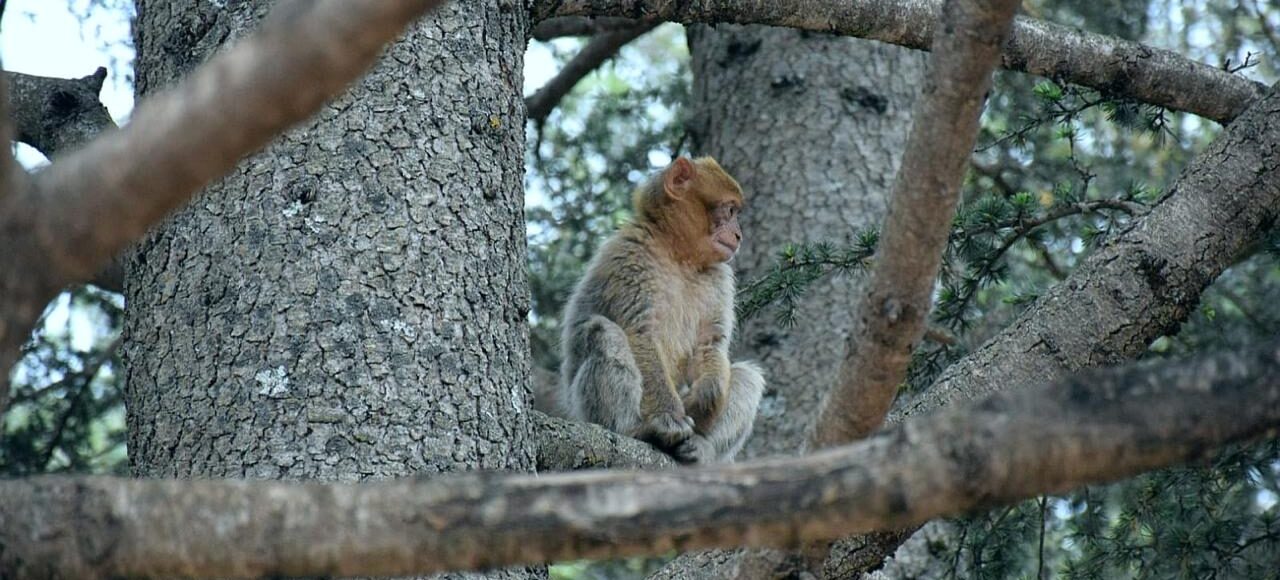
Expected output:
(1110, 65)
(92, 203)
(56, 115)
(599, 49)
(1141, 284)
(578, 26)
(891, 315)
(570, 446)
(1096, 427)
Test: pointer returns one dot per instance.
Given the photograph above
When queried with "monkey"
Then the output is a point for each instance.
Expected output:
(645, 338)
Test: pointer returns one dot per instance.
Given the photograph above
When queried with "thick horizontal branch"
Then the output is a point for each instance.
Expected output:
(56, 115)
(597, 51)
(1097, 427)
(93, 202)
(1113, 66)
(892, 314)
(565, 445)
(579, 26)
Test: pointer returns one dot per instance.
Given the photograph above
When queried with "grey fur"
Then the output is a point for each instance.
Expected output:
(631, 297)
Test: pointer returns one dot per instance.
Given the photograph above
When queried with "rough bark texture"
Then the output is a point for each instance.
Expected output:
(1091, 428)
(758, 93)
(565, 445)
(13, 179)
(578, 26)
(351, 303)
(893, 313)
(56, 115)
(1111, 65)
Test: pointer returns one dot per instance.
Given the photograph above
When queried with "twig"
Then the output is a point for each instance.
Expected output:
(598, 50)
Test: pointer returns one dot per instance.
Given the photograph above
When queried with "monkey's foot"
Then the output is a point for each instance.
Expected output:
(666, 430)
(695, 449)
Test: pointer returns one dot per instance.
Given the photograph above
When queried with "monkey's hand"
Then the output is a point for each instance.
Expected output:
(666, 430)
(704, 401)
(696, 449)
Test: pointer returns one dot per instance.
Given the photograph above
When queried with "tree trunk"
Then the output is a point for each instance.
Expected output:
(351, 303)
(813, 126)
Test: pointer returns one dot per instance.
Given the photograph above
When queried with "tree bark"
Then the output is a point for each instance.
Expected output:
(578, 26)
(56, 115)
(565, 445)
(757, 93)
(351, 303)
(1110, 65)
(1096, 427)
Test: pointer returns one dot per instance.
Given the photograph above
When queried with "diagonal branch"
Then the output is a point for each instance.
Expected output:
(891, 315)
(599, 49)
(1088, 429)
(1140, 285)
(92, 203)
(1110, 65)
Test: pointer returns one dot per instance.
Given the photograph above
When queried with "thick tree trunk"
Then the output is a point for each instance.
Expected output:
(351, 303)
(813, 126)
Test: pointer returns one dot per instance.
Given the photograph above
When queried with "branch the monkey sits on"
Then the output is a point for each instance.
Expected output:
(647, 329)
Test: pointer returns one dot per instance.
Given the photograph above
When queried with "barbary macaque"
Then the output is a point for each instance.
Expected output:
(647, 329)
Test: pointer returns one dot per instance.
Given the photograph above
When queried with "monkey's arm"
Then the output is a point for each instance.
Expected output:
(710, 390)
(662, 415)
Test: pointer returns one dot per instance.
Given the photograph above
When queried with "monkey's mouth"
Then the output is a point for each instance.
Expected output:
(726, 247)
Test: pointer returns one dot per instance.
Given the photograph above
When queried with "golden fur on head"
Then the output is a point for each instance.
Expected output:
(680, 219)
(711, 183)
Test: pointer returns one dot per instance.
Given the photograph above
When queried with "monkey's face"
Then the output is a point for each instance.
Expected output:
(726, 235)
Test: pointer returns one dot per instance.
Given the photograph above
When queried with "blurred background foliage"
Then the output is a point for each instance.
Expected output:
(1056, 170)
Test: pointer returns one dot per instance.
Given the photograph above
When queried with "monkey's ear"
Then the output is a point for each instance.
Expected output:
(679, 178)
